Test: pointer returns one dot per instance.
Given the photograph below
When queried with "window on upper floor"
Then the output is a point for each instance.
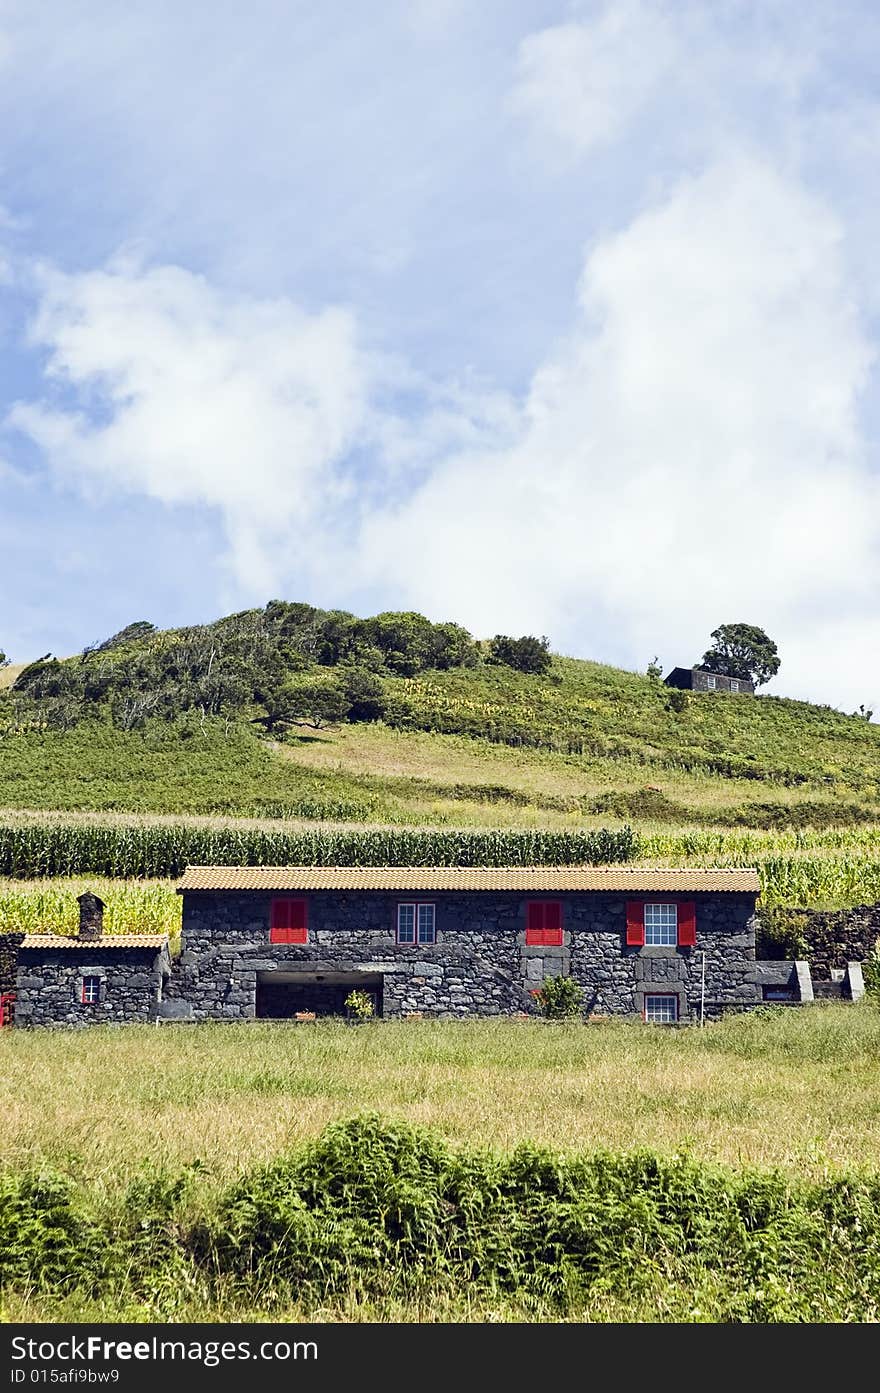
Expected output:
(289, 922)
(415, 923)
(734, 685)
(544, 923)
(711, 683)
(661, 923)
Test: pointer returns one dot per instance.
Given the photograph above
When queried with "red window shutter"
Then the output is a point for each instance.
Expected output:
(535, 922)
(288, 922)
(687, 924)
(553, 923)
(299, 931)
(635, 923)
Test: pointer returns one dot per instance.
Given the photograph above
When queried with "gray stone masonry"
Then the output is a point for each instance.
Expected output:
(853, 982)
(479, 965)
(784, 979)
(49, 985)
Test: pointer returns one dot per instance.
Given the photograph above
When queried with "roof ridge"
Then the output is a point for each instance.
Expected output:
(410, 866)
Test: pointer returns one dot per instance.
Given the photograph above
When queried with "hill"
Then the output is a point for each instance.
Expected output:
(291, 711)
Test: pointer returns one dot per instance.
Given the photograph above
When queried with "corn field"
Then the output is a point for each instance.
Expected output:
(49, 906)
(835, 866)
(152, 850)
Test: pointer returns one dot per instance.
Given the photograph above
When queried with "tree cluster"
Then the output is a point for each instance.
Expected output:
(288, 664)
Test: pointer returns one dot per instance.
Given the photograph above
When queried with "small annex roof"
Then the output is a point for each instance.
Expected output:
(95, 944)
(528, 879)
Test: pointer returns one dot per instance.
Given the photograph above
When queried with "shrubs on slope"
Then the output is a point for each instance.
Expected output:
(377, 1210)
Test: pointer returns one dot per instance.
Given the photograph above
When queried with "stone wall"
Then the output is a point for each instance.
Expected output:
(828, 938)
(49, 986)
(700, 683)
(8, 961)
(479, 965)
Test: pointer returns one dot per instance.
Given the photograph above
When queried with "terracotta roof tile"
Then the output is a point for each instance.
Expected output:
(525, 878)
(106, 941)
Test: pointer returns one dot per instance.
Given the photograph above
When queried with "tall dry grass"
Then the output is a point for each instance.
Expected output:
(797, 1089)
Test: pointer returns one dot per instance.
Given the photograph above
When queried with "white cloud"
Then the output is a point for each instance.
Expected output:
(583, 82)
(194, 396)
(690, 456)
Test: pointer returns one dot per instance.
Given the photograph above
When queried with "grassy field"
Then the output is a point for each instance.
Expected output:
(797, 1090)
(728, 1173)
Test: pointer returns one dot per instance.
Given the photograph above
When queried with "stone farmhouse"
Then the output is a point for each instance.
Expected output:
(274, 941)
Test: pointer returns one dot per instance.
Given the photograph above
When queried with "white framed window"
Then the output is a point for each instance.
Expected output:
(661, 925)
(734, 685)
(415, 923)
(661, 1010)
(91, 991)
(710, 683)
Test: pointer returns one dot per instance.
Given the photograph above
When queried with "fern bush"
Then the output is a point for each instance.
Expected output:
(560, 998)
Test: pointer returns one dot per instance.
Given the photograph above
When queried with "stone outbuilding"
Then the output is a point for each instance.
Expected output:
(92, 979)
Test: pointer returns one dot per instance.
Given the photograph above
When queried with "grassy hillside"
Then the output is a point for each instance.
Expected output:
(208, 723)
(478, 745)
(301, 712)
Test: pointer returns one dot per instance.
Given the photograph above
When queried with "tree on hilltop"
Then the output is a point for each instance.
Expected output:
(743, 651)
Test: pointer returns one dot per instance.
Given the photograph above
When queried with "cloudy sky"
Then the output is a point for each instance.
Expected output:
(540, 316)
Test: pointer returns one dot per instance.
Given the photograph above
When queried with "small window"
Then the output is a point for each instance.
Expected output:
(544, 923)
(734, 685)
(415, 923)
(289, 922)
(661, 1010)
(710, 683)
(91, 991)
(661, 925)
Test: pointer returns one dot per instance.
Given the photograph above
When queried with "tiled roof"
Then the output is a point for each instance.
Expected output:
(105, 941)
(525, 878)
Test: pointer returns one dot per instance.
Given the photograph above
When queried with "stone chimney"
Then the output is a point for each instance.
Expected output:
(91, 916)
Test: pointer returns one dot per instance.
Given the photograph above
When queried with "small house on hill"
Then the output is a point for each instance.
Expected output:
(697, 679)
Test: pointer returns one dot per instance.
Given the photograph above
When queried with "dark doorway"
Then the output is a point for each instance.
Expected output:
(280, 995)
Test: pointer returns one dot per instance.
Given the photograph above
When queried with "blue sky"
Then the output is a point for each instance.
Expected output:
(544, 317)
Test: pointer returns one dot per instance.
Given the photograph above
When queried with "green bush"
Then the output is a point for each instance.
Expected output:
(359, 1005)
(559, 998)
(526, 654)
(375, 1209)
